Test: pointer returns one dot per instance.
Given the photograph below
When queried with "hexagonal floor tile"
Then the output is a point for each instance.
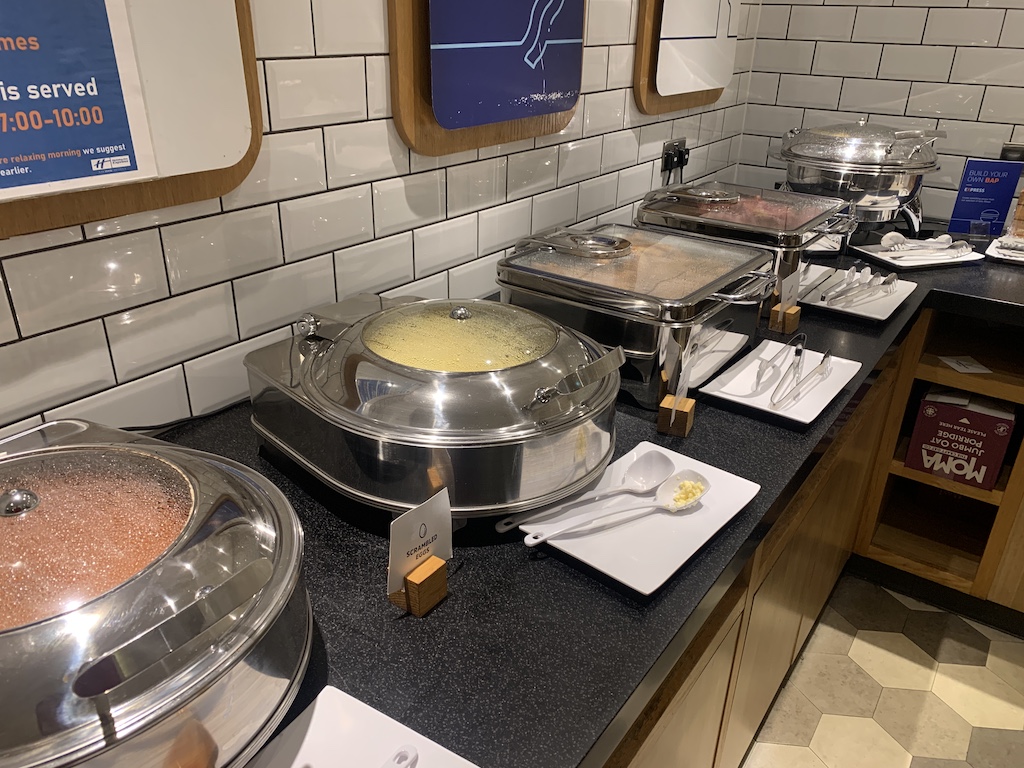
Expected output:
(792, 719)
(992, 633)
(912, 604)
(893, 660)
(779, 755)
(857, 742)
(994, 748)
(931, 762)
(979, 696)
(947, 638)
(923, 724)
(832, 634)
(836, 685)
(867, 606)
(1007, 661)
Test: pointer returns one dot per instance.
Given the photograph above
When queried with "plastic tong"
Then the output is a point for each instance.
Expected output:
(816, 374)
(764, 366)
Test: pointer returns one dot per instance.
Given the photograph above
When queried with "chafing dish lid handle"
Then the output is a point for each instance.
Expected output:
(758, 287)
(581, 377)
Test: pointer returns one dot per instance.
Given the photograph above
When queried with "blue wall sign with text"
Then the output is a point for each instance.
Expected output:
(63, 114)
(986, 191)
(496, 61)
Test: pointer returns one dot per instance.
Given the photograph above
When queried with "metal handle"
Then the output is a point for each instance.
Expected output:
(758, 287)
(840, 224)
(581, 377)
(920, 134)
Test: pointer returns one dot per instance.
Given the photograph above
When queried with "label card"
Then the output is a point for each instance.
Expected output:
(416, 535)
(983, 200)
(965, 364)
(789, 291)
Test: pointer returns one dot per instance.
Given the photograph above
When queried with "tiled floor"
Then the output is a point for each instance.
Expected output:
(886, 681)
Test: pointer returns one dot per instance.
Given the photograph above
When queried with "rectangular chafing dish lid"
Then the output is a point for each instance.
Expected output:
(658, 271)
(752, 209)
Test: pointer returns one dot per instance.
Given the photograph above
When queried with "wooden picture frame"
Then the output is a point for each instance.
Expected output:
(409, 39)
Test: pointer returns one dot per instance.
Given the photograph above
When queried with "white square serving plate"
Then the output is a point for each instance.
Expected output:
(875, 306)
(737, 384)
(644, 553)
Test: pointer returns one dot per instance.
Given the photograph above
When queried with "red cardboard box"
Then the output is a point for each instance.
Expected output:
(961, 436)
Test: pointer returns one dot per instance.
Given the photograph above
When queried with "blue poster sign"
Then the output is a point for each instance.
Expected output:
(986, 191)
(63, 113)
(496, 61)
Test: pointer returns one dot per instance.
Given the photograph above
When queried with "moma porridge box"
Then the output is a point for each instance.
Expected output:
(961, 436)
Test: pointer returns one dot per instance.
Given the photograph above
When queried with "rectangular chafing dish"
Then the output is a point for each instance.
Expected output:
(645, 291)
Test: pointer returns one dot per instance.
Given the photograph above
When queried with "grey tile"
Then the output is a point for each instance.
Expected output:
(931, 762)
(832, 634)
(947, 638)
(996, 748)
(867, 606)
(923, 724)
(792, 719)
(836, 685)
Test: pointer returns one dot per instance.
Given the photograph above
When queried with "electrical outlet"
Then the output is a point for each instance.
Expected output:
(674, 154)
(1012, 152)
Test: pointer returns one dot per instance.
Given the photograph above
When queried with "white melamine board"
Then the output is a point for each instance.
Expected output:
(697, 46)
(193, 83)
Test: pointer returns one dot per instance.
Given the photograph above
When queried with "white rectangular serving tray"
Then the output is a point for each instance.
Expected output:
(644, 553)
(737, 384)
(877, 306)
(339, 730)
(908, 261)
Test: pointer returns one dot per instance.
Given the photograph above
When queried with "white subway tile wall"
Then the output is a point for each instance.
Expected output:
(956, 65)
(156, 310)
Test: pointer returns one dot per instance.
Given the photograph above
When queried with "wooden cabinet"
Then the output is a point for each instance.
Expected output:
(949, 532)
(809, 544)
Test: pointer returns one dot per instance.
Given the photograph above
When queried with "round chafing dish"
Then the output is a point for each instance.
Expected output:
(878, 169)
(388, 402)
(152, 608)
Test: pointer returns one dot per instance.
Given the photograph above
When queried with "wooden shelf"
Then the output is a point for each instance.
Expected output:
(999, 384)
(994, 497)
(925, 558)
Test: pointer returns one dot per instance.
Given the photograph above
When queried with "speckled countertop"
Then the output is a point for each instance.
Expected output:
(531, 661)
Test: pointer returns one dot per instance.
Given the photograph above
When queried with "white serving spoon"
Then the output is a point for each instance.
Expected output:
(648, 471)
(664, 500)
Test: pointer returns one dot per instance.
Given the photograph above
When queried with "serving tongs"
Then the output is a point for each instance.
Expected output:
(791, 378)
(878, 283)
(850, 281)
(818, 373)
(776, 361)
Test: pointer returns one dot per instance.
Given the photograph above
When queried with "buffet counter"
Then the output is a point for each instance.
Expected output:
(534, 661)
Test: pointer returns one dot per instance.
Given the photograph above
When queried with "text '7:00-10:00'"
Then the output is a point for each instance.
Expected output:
(62, 118)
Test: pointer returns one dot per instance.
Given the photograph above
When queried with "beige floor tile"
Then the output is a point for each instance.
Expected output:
(912, 604)
(923, 724)
(979, 696)
(836, 685)
(781, 756)
(857, 742)
(991, 748)
(993, 634)
(792, 719)
(893, 660)
(1007, 661)
(832, 634)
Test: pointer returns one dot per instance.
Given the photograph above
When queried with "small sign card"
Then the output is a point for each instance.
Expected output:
(416, 535)
(965, 364)
(983, 201)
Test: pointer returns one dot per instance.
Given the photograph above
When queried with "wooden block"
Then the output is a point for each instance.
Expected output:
(684, 416)
(784, 322)
(425, 587)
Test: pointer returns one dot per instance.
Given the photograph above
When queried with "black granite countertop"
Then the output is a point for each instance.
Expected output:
(530, 659)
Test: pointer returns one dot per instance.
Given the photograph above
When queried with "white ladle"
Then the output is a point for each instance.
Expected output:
(643, 476)
(664, 500)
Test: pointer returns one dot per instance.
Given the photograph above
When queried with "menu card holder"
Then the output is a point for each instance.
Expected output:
(683, 422)
(425, 587)
(784, 321)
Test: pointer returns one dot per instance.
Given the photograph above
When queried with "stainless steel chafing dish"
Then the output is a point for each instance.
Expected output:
(644, 291)
(785, 222)
(390, 401)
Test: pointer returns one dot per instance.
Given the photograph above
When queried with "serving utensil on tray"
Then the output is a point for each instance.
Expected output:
(764, 366)
(953, 251)
(895, 241)
(879, 284)
(791, 377)
(644, 476)
(801, 387)
(664, 500)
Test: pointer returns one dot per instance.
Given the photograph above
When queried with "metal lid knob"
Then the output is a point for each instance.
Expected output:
(460, 313)
(17, 501)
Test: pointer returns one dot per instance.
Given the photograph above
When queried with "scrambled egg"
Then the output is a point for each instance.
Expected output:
(688, 491)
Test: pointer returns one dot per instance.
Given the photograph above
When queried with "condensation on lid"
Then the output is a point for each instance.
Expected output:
(102, 517)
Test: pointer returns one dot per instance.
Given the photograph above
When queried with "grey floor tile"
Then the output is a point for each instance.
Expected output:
(994, 748)
(836, 685)
(867, 606)
(792, 720)
(832, 634)
(923, 725)
(931, 762)
(947, 638)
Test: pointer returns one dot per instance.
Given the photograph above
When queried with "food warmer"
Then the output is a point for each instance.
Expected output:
(388, 401)
(152, 611)
(645, 291)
